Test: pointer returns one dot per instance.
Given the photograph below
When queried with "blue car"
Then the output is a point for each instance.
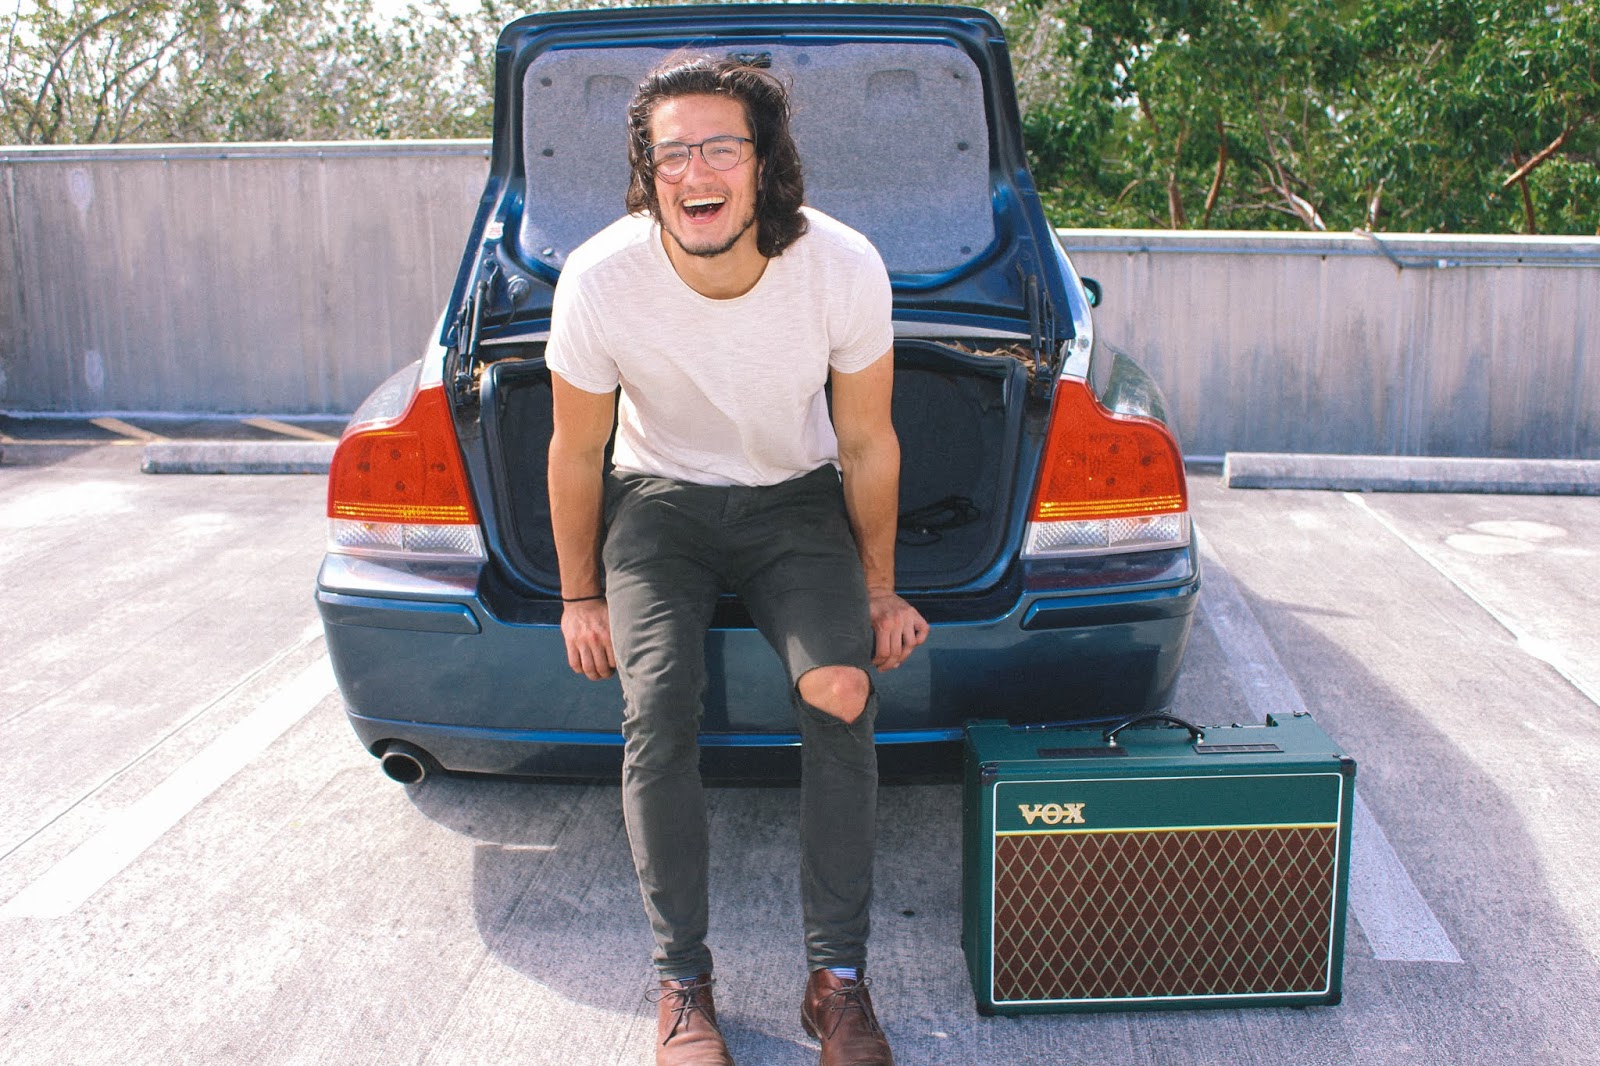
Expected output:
(1044, 527)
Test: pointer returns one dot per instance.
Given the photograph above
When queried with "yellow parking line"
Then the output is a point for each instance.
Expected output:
(273, 426)
(117, 425)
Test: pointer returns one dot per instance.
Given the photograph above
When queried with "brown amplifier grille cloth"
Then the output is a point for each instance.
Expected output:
(1162, 913)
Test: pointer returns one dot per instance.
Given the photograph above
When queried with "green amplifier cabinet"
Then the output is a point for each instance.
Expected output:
(1142, 868)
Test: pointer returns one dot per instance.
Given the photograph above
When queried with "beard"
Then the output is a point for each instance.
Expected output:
(712, 251)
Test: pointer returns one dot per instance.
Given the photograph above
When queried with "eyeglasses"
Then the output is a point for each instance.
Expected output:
(670, 159)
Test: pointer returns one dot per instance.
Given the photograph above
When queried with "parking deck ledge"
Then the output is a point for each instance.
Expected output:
(1411, 473)
(237, 457)
(1240, 470)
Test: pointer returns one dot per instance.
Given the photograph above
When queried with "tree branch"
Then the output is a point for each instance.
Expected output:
(125, 75)
(1216, 181)
(1145, 109)
(1539, 157)
(11, 51)
(61, 56)
(1527, 197)
(1372, 205)
(1280, 183)
(1175, 212)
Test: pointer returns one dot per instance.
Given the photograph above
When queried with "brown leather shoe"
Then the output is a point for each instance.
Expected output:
(686, 1025)
(838, 1013)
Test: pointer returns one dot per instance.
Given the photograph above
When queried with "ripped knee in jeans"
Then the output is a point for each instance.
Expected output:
(838, 691)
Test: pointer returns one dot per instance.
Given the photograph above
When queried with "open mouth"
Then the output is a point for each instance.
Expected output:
(703, 207)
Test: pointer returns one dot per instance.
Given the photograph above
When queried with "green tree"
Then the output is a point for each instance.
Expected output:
(1423, 115)
(1477, 112)
(153, 70)
(1444, 115)
(1191, 112)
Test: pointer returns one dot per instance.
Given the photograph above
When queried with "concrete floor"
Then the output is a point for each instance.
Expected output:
(199, 864)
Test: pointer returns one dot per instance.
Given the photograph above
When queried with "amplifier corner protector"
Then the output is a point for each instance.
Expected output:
(987, 773)
(1347, 765)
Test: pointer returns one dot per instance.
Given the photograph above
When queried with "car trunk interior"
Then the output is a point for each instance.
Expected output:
(894, 134)
(958, 411)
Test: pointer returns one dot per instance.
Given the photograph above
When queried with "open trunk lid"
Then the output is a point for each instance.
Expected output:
(907, 124)
(905, 117)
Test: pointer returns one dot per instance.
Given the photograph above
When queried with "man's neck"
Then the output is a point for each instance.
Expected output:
(718, 277)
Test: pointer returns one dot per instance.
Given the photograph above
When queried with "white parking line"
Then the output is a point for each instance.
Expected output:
(1398, 923)
(62, 888)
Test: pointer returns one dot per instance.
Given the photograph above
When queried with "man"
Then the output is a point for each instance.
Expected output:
(721, 308)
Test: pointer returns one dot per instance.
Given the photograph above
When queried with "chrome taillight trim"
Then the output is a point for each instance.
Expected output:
(412, 541)
(1076, 352)
(1106, 536)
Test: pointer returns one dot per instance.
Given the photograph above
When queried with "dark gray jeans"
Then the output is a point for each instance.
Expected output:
(671, 548)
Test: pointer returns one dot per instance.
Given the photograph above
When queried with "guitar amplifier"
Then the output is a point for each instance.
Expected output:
(1155, 868)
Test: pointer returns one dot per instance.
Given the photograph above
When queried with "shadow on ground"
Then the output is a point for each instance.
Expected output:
(555, 899)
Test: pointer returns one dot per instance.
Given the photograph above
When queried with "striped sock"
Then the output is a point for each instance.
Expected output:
(843, 973)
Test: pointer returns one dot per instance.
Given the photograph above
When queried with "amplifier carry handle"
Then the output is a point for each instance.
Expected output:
(1196, 734)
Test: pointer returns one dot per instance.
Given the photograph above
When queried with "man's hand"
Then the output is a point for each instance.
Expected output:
(586, 627)
(899, 628)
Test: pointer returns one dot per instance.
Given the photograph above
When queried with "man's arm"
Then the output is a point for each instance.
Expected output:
(582, 425)
(869, 453)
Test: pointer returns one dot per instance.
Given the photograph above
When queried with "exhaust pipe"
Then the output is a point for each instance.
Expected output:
(405, 763)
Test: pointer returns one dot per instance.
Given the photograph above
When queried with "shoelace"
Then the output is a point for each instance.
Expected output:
(845, 998)
(688, 996)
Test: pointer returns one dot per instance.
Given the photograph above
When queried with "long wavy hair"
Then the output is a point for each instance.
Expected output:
(780, 187)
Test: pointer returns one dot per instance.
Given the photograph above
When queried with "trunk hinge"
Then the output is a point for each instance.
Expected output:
(1043, 343)
(464, 353)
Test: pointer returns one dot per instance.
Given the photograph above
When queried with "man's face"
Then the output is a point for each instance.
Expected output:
(706, 212)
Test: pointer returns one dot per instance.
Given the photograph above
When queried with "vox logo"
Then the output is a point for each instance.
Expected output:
(1052, 813)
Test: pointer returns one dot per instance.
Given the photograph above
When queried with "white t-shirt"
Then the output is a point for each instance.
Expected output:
(720, 392)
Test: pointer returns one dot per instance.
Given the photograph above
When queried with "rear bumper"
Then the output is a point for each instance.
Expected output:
(598, 757)
(420, 657)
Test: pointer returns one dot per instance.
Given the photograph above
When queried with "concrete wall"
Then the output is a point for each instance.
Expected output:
(1398, 345)
(291, 278)
(284, 278)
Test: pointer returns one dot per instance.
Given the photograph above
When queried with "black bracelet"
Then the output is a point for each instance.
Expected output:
(581, 599)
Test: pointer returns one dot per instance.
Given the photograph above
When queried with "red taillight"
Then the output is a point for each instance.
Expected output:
(1108, 482)
(1103, 465)
(398, 488)
(408, 470)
